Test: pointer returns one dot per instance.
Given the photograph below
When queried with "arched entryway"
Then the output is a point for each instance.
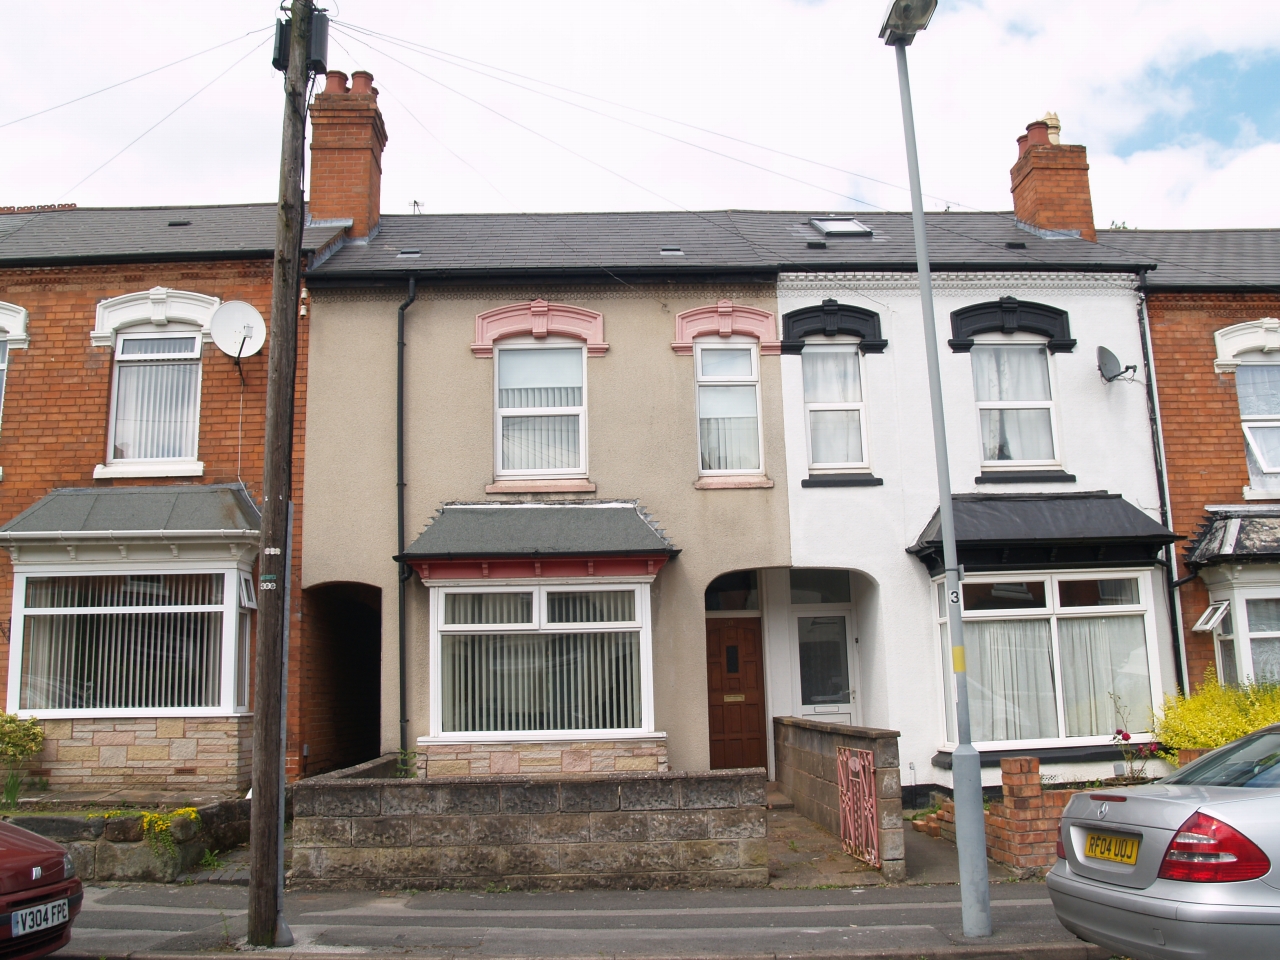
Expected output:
(342, 676)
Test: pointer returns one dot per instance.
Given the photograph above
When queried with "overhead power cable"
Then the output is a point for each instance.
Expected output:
(459, 61)
(67, 103)
(102, 165)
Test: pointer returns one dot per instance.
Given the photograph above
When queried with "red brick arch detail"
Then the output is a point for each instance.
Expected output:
(725, 319)
(539, 319)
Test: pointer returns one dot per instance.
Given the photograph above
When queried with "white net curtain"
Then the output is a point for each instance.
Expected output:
(1011, 385)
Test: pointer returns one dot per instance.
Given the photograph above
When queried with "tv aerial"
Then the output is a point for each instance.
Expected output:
(1110, 367)
(238, 330)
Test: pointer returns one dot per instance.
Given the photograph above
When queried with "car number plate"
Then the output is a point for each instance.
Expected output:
(1099, 846)
(42, 917)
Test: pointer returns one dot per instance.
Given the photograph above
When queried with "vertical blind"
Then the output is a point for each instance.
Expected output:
(464, 608)
(560, 681)
(1008, 375)
(593, 606)
(157, 402)
(126, 658)
(547, 379)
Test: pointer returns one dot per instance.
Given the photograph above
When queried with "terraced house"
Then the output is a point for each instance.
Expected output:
(665, 490)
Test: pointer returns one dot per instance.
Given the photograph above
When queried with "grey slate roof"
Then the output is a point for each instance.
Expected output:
(173, 508)
(1045, 517)
(1190, 259)
(1244, 534)
(564, 529)
(143, 233)
(470, 245)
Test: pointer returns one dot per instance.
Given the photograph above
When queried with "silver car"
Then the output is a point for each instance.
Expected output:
(1186, 867)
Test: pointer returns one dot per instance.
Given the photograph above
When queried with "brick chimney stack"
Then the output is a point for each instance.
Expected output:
(347, 137)
(1051, 181)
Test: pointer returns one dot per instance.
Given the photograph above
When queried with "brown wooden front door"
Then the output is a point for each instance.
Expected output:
(735, 688)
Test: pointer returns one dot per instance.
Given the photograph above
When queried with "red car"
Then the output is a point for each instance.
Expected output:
(39, 894)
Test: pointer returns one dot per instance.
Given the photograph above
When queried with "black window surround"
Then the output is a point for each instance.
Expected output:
(829, 319)
(1009, 315)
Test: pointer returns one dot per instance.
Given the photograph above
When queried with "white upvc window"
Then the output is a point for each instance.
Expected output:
(540, 403)
(541, 662)
(133, 643)
(1016, 421)
(155, 399)
(1055, 659)
(834, 410)
(1258, 391)
(728, 400)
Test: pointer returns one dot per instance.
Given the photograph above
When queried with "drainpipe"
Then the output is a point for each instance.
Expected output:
(405, 571)
(1162, 482)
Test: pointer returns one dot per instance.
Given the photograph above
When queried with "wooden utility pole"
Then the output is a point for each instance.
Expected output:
(274, 562)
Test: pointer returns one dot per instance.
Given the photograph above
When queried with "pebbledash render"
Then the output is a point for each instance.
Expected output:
(662, 482)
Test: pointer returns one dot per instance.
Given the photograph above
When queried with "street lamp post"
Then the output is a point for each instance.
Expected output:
(903, 20)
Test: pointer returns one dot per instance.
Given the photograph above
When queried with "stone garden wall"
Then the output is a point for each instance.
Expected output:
(805, 760)
(623, 831)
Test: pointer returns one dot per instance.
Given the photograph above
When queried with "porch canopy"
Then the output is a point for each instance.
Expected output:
(1035, 531)
(577, 538)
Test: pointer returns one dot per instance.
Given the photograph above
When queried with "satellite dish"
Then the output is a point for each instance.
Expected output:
(238, 330)
(1110, 367)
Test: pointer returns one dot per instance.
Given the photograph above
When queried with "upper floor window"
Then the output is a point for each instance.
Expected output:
(541, 428)
(155, 399)
(1015, 404)
(833, 406)
(4, 370)
(728, 384)
(1258, 390)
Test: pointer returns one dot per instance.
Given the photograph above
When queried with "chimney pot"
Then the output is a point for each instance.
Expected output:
(1023, 143)
(362, 82)
(335, 82)
(1038, 133)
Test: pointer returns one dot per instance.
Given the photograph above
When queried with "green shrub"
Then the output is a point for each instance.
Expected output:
(20, 740)
(1215, 715)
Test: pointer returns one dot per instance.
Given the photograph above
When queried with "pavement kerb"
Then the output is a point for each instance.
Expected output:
(993, 951)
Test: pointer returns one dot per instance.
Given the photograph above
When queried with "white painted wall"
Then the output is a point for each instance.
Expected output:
(1104, 440)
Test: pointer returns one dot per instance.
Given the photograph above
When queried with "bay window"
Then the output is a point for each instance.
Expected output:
(1015, 404)
(833, 406)
(728, 385)
(1245, 623)
(131, 644)
(541, 411)
(537, 662)
(155, 397)
(1055, 657)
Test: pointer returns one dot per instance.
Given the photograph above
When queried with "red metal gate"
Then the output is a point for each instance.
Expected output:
(858, 834)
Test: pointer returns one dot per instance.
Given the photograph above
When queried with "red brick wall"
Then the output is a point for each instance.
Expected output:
(54, 424)
(1204, 445)
(346, 153)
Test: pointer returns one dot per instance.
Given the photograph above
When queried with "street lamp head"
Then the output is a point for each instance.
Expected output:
(905, 18)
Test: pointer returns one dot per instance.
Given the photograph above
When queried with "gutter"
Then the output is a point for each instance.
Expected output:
(1172, 582)
(34, 536)
(405, 572)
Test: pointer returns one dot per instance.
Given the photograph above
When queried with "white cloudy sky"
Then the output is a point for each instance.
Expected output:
(1176, 103)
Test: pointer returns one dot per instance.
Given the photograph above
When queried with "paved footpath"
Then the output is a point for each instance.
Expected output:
(176, 921)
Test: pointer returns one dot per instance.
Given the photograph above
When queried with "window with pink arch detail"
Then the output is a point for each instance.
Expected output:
(539, 319)
(725, 319)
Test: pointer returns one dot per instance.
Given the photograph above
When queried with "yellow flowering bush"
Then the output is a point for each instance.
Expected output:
(1215, 715)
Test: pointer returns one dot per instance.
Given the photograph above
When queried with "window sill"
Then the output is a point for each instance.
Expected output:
(1250, 493)
(750, 482)
(159, 468)
(581, 485)
(841, 480)
(1025, 476)
(141, 713)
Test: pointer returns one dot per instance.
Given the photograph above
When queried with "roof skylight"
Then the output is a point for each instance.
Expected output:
(840, 227)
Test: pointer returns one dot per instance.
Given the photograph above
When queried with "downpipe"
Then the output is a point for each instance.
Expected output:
(404, 571)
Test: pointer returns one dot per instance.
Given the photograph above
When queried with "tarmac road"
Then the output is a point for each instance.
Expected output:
(903, 921)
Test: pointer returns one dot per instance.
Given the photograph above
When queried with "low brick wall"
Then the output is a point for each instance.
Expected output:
(1022, 828)
(805, 760)
(624, 831)
(176, 753)
(113, 848)
(566, 758)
